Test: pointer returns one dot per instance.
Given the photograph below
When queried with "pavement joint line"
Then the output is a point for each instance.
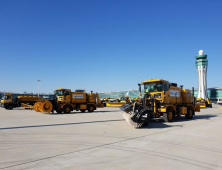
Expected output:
(187, 145)
(107, 144)
(100, 159)
(172, 157)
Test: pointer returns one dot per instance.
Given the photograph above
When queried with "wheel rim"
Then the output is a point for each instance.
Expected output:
(170, 115)
(157, 115)
(91, 108)
(67, 109)
(190, 113)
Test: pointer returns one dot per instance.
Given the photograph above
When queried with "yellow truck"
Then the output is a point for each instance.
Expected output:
(10, 101)
(161, 98)
(135, 99)
(66, 101)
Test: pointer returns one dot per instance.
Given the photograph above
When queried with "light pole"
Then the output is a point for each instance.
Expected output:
(38, 87)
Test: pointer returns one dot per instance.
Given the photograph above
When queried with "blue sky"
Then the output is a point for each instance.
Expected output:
(107, 45)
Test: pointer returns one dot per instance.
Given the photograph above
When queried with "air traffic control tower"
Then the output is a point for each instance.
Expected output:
(201, 65)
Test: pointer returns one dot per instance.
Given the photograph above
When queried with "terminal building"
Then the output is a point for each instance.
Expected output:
(214, 94)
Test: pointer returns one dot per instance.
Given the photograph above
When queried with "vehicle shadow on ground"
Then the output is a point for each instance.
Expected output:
(78, 112)
(195, 117)
(160, 123)
(60, 124)
(203, 117)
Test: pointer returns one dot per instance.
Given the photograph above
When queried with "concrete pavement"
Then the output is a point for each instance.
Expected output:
(103, 140)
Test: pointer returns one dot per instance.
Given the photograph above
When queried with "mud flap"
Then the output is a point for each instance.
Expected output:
(197, 108)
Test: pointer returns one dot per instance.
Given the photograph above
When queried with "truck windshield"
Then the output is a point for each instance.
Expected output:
(153, 87)
(59, 93)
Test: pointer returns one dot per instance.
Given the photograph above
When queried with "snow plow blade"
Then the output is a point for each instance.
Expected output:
(131, 117)
(126, 108)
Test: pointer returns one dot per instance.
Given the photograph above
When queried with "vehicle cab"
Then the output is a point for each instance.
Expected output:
(63, 95)
(6, 100)
(156, 88)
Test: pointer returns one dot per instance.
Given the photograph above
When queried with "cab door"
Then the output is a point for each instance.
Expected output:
(8, 99)
(67, 97)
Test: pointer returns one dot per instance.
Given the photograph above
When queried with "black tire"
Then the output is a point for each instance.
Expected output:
(82, 110)
(189, 114)
(210, 106)
(10, 107)
(145, 124)
(77, 107)
(59, 110)
(67, 109)
(169, 116)
(91, 109)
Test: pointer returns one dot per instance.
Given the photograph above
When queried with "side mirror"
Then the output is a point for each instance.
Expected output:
(139, 87)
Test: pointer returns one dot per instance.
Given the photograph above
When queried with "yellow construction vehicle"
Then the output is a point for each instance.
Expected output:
(10, 101)
(203, 103)
(118, 102)
(135, 99)
(161, 98)
(108, 99)
(67, 101)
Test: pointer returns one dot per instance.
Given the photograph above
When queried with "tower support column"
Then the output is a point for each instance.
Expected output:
(201, 65)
